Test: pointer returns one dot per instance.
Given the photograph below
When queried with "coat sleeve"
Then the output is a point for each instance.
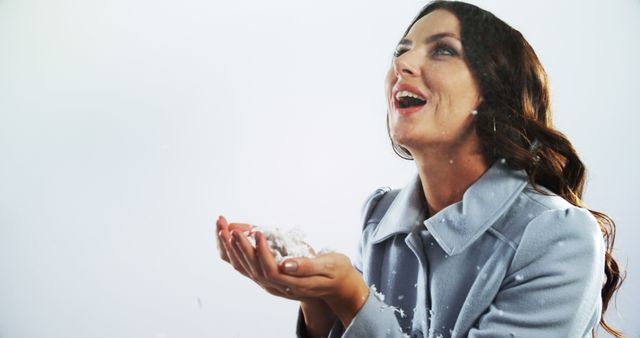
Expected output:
(375, 319)
(365, 212)
(552, 288)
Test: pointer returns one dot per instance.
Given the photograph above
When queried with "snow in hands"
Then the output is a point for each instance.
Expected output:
(283, 243)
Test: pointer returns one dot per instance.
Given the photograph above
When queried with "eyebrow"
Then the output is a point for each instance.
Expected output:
(429, 39)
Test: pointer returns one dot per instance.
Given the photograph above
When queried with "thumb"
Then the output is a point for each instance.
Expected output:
(323, 265)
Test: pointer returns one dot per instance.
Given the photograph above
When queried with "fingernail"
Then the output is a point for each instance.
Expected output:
(258, 236)
(290, 266)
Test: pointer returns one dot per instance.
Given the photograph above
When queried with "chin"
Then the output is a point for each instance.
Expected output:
(407, 141)
(422, 141)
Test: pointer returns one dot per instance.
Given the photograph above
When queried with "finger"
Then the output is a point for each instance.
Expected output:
(237, 252)
(242, 227)
(220, 225)
(273, 286)
(265, 257)
(296, 285)
(247, 253)
(266, 260)
(323, 265)
(259, 261)
(233, 257)
(222, 250)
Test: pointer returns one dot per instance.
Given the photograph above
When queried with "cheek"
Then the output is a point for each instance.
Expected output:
(389, 80)
(464, 89)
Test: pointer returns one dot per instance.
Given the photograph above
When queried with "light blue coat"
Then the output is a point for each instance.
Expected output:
(506, 261)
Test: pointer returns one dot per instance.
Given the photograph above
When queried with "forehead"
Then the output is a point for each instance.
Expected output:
(438, 21)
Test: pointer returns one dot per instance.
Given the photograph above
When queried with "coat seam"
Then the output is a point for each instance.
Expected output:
(503, 238)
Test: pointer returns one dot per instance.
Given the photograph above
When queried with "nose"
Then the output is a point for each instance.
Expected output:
(405, 65)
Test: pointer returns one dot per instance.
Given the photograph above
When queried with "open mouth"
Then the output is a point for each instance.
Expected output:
(410, 101)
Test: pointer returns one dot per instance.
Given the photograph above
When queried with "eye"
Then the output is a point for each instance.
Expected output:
(443, 49)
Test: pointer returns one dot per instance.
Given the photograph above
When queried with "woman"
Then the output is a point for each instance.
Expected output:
(490, 238)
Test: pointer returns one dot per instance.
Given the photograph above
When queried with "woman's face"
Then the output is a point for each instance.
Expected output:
(428, 63)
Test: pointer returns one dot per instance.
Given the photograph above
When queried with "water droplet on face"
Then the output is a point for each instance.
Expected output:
(474, 112)
(450, 161)
(519, 277)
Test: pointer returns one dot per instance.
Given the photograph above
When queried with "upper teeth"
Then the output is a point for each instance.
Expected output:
(403, 93)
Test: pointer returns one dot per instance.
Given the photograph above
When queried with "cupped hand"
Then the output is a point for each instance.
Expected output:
(329, 276)
(243, 261)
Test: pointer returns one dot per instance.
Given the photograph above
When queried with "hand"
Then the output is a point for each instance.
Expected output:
(244, 261)
(330, 276)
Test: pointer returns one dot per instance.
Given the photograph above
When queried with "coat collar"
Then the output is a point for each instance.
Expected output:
(458, 225)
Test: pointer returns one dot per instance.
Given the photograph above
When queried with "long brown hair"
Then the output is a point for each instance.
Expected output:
(514, 119)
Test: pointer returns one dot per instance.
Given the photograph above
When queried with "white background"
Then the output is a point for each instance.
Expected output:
(128, 126)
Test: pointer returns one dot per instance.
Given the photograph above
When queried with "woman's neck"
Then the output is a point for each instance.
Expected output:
(446, 175)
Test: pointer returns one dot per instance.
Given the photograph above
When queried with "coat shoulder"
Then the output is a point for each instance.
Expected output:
(539, 215)
(376, 205)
